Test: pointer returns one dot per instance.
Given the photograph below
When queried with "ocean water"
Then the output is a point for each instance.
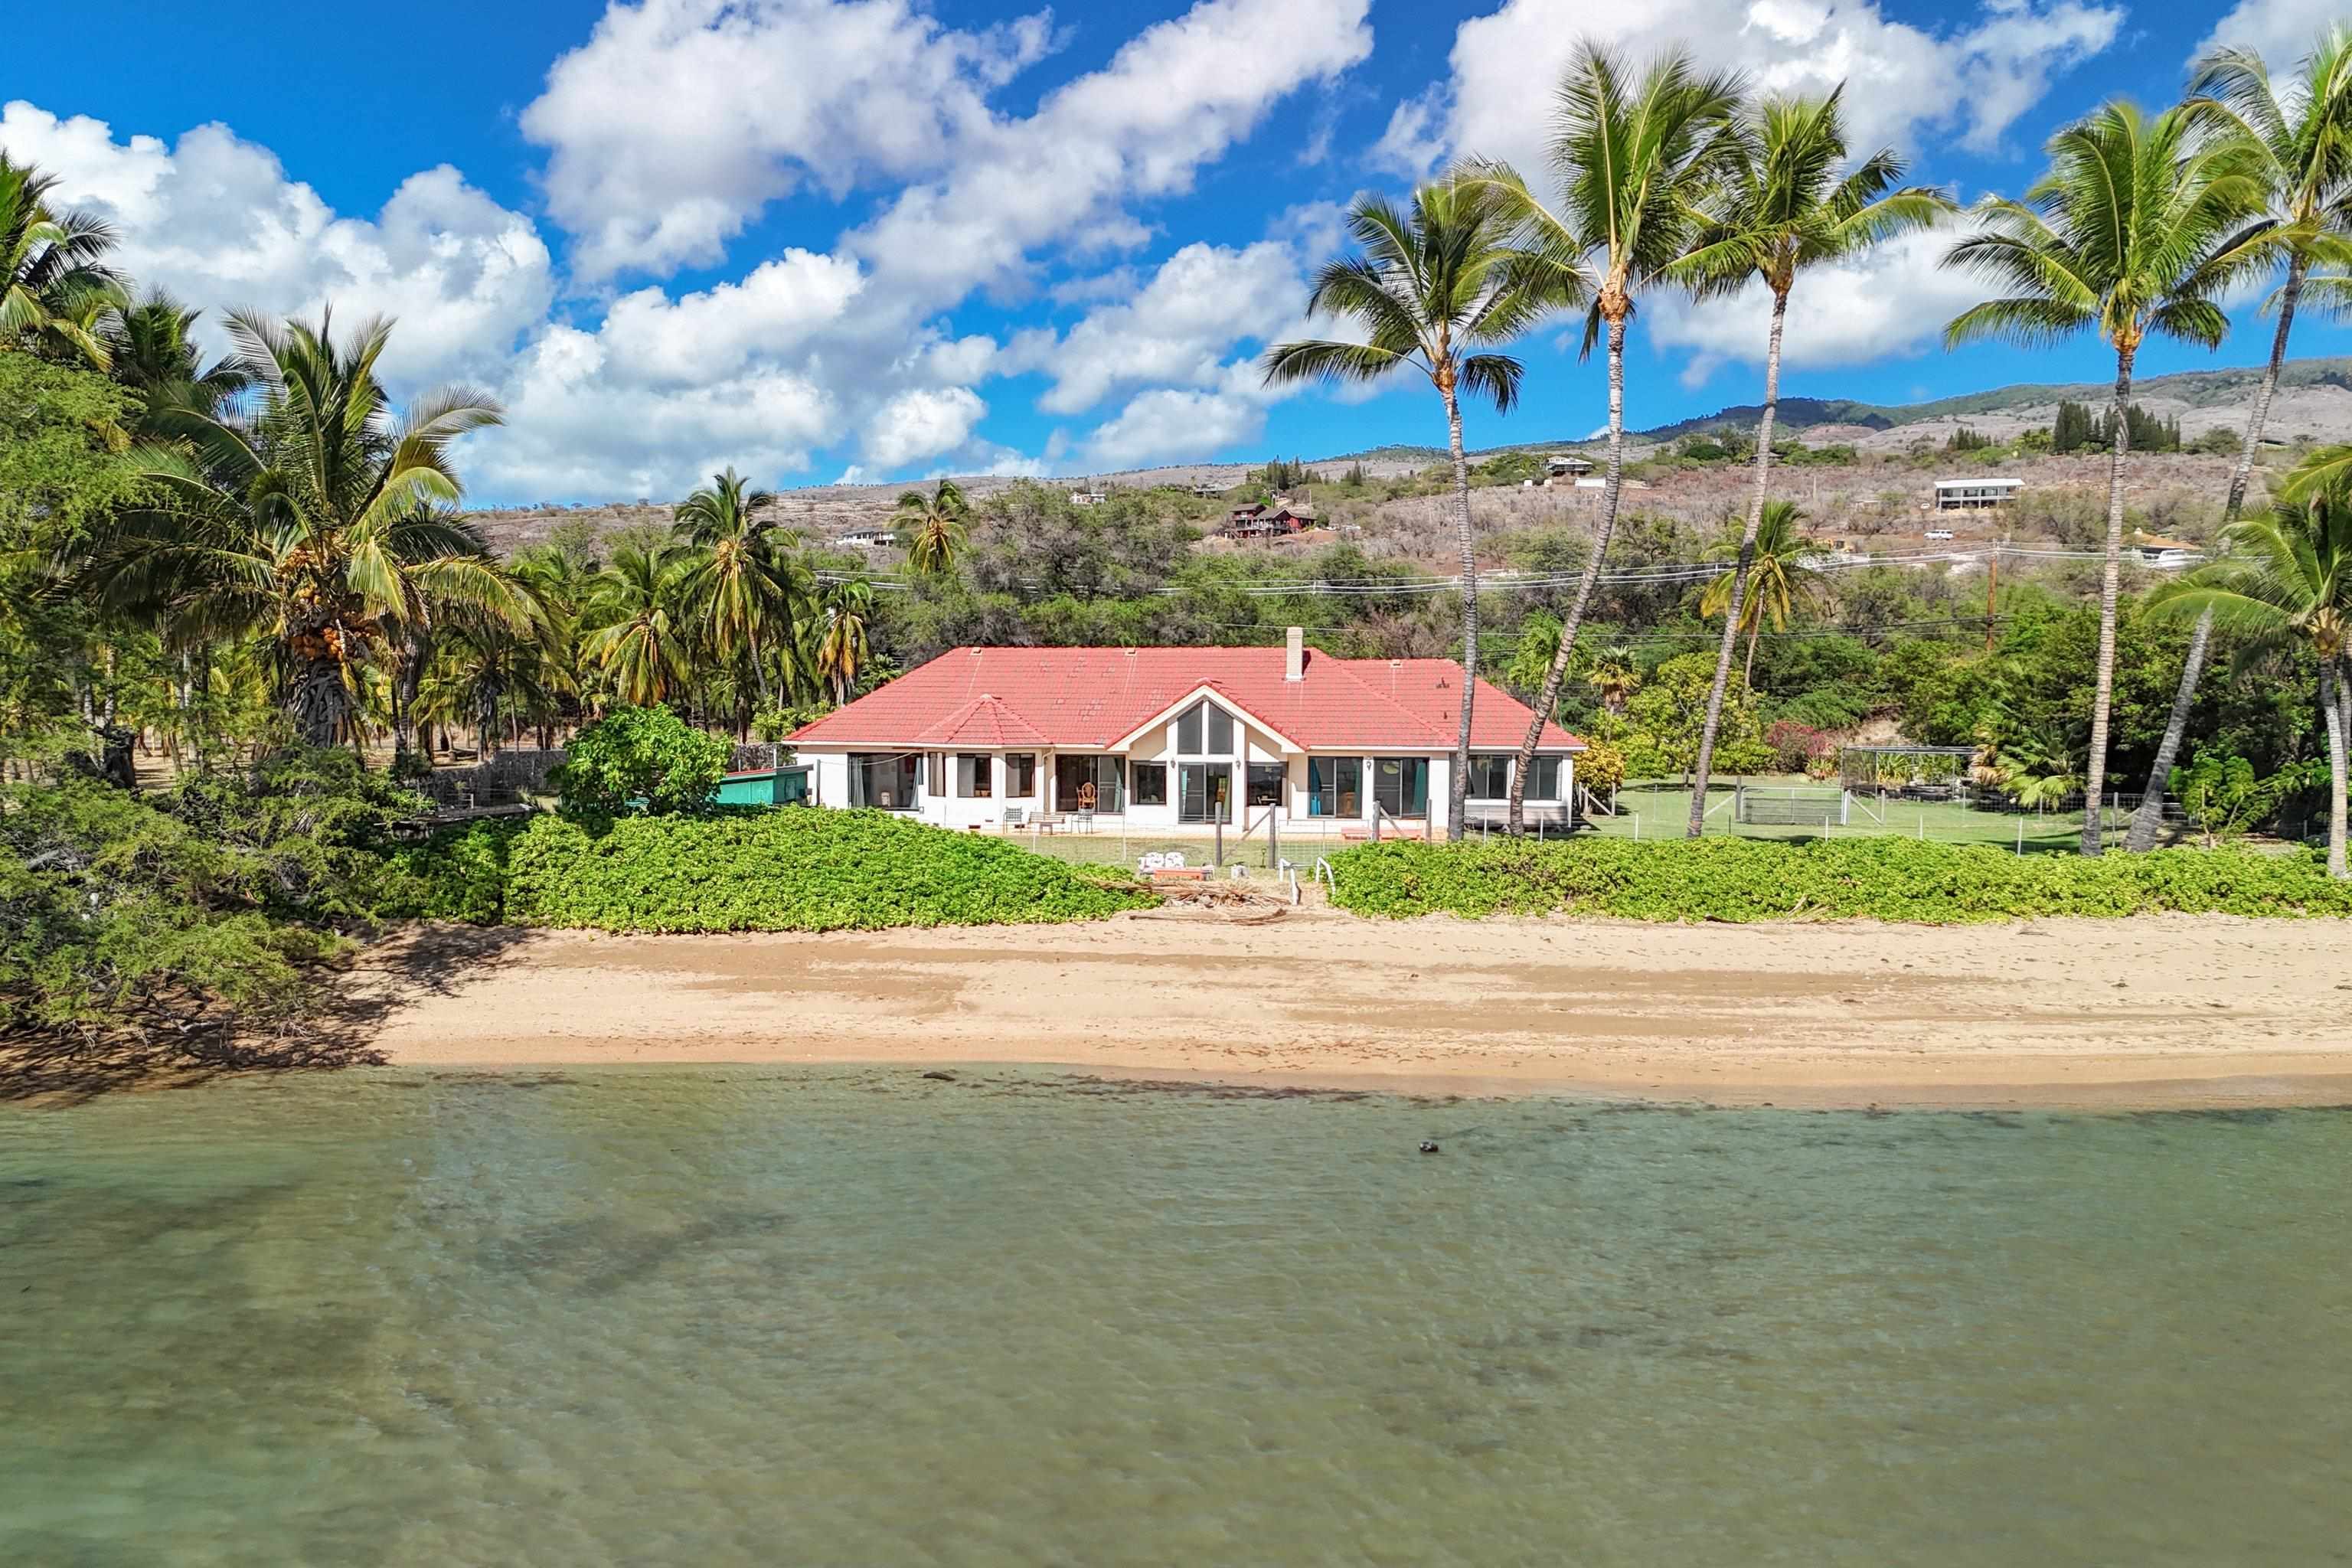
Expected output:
(856, 1316)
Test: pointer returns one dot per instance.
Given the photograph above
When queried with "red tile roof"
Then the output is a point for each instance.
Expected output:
(1093, 697)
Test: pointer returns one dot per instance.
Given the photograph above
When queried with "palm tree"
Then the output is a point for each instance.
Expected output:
(2300, 145)
(1631, 159)
(1770, 558)
(842, 648)
(1778, 208)
(639, 617)
(1436, 288)
(932, 527)
(2287, 583)
(2135, 229)
(311, 520)
(152, 349)
(1616, 676)
(742, 581)
(54, 291)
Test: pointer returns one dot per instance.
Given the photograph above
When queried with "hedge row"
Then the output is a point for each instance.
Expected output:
(796, 869)
(1873, 878)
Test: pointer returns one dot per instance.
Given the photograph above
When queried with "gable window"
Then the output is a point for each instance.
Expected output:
(1204, 729)
(1021, 774)
(1490, 777)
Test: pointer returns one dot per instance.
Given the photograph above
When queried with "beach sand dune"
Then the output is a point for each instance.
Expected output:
(2161, 1010)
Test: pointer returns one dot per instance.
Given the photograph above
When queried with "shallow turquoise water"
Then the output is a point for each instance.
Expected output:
(735, 1316)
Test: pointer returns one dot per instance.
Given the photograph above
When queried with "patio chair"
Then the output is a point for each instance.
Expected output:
(1012, 815)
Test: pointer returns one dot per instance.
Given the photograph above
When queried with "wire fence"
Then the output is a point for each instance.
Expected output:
(1643, 813)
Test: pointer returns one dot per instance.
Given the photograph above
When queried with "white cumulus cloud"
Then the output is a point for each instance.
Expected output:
(215, 219)
(678, 120)
(922, 424)
(2281, 31)
(1971, 81)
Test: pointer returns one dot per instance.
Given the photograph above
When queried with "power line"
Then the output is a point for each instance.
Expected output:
(1659, 575)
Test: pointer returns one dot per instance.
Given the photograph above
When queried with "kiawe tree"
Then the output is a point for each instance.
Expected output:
(1437, 288)
(1779, 206)
(2136, 227)
(2298, 144)
(1632, 151)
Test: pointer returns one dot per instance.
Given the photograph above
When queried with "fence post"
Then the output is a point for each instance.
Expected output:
(1217, 828)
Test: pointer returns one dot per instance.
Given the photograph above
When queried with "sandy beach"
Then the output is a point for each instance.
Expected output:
(2156, 1012)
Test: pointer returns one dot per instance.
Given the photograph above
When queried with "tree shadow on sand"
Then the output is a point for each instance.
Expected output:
(181, 1053)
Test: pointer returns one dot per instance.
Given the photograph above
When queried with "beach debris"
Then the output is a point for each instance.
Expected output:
(1428, 1146)
(941, 1077)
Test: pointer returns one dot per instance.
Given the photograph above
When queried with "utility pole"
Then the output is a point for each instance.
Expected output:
(1992, 585)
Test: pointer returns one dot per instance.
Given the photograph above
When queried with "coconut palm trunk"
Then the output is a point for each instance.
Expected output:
(2331, 702)
(2149, 820)
(1739, 573)
(2103, 688)
(1457, 789)
(1548, 701)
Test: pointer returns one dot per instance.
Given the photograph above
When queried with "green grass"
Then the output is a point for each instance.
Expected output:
(1649, 812)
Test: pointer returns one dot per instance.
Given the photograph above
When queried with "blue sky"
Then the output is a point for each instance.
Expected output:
(819, 239)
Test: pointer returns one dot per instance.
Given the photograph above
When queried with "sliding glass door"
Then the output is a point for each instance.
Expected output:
(1204, 791)
(1400, 784)
(1335, 787)
(1091, 784)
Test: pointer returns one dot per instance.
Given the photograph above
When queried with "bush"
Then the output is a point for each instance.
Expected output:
(1600, 766)
(793, 869)
(458, 873)
(184, 916)
(1872, 878)
(641, 759)
(1795, 746)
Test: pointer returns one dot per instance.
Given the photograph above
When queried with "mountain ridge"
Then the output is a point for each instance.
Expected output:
(2195, 388)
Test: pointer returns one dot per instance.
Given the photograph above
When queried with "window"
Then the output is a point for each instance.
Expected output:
(1335, 787)
(1021, 776)
(1400, 785)
(1083, 784)
(884, 779)
(1490, 777)
(1204, 729)
(1543, 783)
(1265, 784)
(1151, 784)
(975, 776)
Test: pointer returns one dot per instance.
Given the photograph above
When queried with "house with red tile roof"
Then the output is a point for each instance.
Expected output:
(1175, 738)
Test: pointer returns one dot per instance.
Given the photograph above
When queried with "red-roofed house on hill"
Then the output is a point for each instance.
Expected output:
(1172, 737)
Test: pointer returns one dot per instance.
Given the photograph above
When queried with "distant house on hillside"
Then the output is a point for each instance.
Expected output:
(1567, 465)
(868, 538)
(1088, 498)
(1206, 490)
(1973, 495)
(2165, 554)
(1265, 520)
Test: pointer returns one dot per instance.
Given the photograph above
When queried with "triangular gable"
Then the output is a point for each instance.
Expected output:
(1223, 697)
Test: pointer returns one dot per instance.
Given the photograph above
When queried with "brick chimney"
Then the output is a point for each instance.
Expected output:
(1293, 659)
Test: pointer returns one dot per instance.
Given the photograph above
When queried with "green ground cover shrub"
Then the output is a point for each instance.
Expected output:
(793, 869)
(1873, 878)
